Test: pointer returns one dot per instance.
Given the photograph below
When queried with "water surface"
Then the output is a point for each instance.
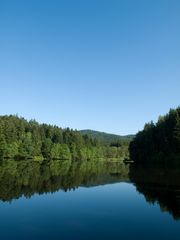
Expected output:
(88, 200)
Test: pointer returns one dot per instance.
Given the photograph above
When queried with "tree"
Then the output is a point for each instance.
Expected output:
(20, 138)
(158, 142)
(60, 151)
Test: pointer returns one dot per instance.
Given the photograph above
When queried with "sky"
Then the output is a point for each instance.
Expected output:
(107, 65)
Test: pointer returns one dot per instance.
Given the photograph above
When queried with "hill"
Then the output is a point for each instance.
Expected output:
(106, 137)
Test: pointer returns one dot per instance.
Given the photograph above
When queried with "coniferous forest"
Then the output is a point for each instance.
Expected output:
(22, 139)
(160, 142)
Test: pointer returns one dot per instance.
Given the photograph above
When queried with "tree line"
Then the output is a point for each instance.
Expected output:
(160, 142)
(22, 139)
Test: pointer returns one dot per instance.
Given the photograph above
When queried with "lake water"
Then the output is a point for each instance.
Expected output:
(88, 200)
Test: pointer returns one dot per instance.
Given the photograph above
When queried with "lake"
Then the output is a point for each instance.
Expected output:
(88, 200)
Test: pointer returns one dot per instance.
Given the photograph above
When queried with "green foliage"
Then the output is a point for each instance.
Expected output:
(60, 151)
(11, 149)
(158, 142)
(22, 139)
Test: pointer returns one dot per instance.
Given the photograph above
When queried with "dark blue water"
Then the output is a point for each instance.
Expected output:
(107, 205)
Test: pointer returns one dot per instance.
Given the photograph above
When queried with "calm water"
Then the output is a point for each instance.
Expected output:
(88, 200)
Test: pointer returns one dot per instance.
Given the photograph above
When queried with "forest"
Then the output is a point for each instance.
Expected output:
(160, 142)
(22, 139)
(156, 143)
(106, 137)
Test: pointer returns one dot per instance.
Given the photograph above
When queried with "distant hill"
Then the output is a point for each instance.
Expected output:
(106, 137)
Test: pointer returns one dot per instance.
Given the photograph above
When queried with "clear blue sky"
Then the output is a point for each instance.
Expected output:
(105, 65)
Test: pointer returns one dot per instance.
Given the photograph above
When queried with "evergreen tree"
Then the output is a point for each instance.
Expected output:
(158, 142)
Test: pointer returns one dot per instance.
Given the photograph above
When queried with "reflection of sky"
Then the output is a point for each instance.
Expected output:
(104, 65)
(108, 211)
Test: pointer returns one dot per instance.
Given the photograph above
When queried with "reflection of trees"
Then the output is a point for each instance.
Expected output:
(17, 178)
(26, 178)
(158, 184)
